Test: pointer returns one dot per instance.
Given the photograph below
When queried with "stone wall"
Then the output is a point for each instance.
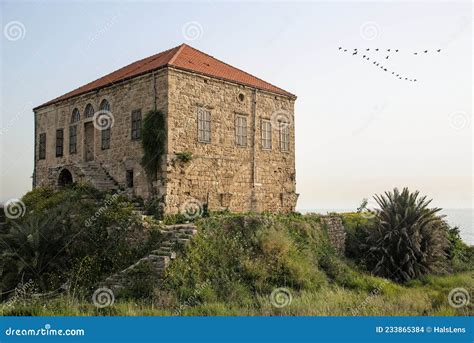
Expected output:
(124, 153)
(336, 232)
(221, 173)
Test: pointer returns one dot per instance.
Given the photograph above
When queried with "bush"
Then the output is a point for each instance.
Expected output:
(408, 239)
(72, 238)
(239, 257)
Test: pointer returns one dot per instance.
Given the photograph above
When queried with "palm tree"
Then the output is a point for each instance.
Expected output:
(408, 239)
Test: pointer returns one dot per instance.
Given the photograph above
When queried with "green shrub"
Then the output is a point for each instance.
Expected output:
(73, 237)
(243, 256)
(184, 156)
(408, 240)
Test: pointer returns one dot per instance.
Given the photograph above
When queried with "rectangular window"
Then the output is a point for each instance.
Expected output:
(129, 178)
(241, 130)
(204, 125)
(73, 139)
(266, 134)
(59, 142)
(105, 142)
(42, 146)
(136, 124)
(284, 136)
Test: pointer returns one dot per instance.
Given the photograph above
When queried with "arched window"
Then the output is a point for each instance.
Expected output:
(105, 132)
(89, 111)
(76, 116)
(104, 105)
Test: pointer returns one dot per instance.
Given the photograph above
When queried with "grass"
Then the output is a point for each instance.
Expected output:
(234, 264)
(427, 297)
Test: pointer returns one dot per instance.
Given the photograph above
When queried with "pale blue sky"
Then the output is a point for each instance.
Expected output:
(359, 131)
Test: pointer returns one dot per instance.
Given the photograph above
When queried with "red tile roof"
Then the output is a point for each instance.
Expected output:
(181, 57)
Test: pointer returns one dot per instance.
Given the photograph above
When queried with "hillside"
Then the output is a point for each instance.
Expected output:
(236, 264)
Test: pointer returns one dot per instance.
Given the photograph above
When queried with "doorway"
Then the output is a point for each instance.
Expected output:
(65, 178)
(88, 141)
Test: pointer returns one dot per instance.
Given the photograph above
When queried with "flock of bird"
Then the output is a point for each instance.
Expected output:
(365, 52)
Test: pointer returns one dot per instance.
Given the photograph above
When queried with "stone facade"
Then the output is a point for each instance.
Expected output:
(219, 174)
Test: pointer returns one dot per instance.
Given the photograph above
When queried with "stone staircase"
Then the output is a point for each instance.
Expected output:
(175, 237)
(98, 176)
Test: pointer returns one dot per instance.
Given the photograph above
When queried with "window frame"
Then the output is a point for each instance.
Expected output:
(89, 111)
(136, 122)
(241, 130)
(266, 134)
(59, 142)
(284, 133)
(73, 139)
(105, 139)
(42, 146)
(75, 116)
(204, 125)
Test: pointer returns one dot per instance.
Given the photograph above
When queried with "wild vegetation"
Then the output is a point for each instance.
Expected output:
(238, 264)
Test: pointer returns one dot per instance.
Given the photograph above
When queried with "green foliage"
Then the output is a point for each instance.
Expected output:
(408, 239)
(460, 255)
(242, 256)
(153, 142)
(72, 236)
(184, 156)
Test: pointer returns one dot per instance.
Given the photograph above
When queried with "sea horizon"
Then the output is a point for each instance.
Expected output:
(463, 218)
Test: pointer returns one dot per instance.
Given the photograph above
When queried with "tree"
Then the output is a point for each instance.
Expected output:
(408, 239)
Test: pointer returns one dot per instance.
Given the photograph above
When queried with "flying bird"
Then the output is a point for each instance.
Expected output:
(415, 52)
(386, 58)
(439, 50)
(345, 50)
(340, 48)
(426, 51)
(367, 49)
(377, 49)
(388, 50)
(354, 53)
(396, 50)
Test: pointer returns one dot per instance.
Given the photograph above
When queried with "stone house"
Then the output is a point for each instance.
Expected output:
(238, 128)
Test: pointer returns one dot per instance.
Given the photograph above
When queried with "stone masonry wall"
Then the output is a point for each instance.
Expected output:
(336, 232)
(124, 153)
(220, 172)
